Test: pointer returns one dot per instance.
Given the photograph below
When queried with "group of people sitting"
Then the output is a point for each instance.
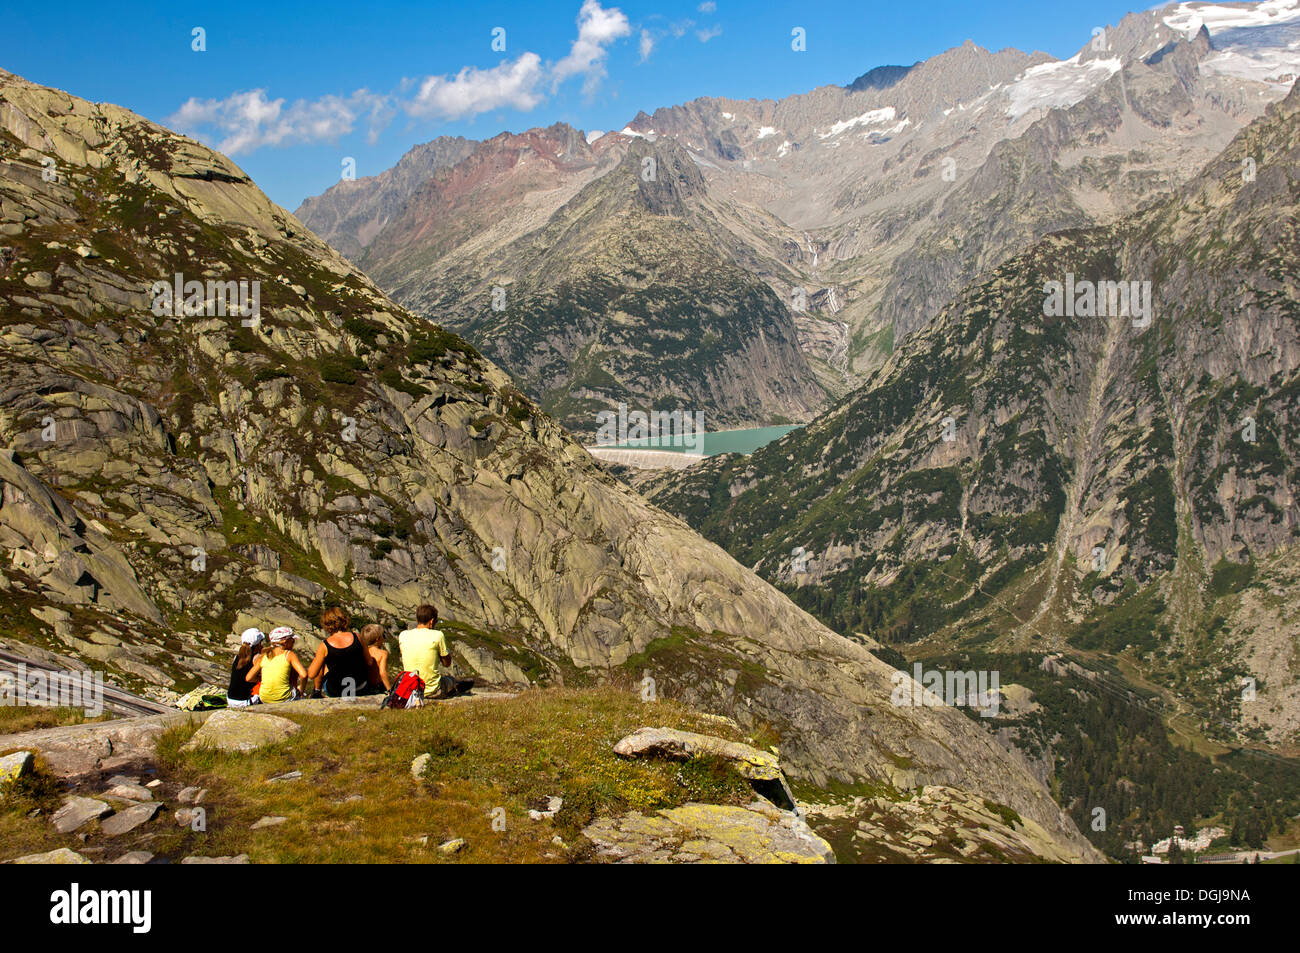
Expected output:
(347, 664)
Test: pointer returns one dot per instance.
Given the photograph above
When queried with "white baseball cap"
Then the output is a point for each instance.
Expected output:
(252, 636)
(281, 634)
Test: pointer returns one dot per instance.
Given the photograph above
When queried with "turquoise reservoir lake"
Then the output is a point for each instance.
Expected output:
(721, 441)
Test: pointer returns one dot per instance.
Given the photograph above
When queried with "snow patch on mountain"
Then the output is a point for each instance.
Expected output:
(765, 131)
(1272, 66)
(1057, 85)
(868, 118)
(1260, 42)
(881, 134)
(1215, 17)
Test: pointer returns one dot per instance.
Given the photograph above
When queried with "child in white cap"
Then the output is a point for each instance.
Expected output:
(242, 692)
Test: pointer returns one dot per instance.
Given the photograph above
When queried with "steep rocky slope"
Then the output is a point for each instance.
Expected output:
(350, 213)
(579, 269)
(175, 471)
(631, 292)
(1020, 477)
(463, 197)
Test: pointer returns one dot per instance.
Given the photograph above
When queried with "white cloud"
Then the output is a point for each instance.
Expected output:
(597, 29)
(246, 121)
(708, 6)
(709, 33)
(472, 91)
(647, 45)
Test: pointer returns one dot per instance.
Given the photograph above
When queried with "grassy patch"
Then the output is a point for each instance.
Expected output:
(491, 762)
(1008, 815)
(1230, 577)
(24, 806)
(15, 719)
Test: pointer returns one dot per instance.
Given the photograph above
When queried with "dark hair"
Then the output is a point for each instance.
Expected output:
(334, 619)
(426, 615)
(245, 655)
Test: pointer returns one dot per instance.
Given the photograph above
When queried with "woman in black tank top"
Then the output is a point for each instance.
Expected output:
(347, 669)
(339, 670)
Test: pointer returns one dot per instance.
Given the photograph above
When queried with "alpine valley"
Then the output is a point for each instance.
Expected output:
(1092, 500)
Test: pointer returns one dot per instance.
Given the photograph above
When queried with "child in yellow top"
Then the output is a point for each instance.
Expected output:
(279, 668)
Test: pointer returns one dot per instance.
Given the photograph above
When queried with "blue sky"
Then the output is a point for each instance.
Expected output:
(291, 89)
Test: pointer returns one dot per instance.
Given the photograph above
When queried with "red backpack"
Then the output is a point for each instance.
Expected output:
(407, 692)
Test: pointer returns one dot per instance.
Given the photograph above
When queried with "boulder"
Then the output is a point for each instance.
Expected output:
(553, 805)
(134, 857)
(16, 765)
(268, 822)
(60, 856)
(240, 731)
(709, 833)
(238, 859)
(129, 792)
(761, 768)
(77, 812)
(125, 821)
(683, 745)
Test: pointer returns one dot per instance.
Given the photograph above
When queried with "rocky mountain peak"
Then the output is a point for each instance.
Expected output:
(879, 77)
(666, 176)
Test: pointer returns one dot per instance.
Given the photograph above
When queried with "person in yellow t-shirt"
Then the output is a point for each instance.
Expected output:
(277, 667)
(424, 648)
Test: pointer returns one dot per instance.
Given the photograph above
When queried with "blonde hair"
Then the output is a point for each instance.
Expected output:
(372, 635)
